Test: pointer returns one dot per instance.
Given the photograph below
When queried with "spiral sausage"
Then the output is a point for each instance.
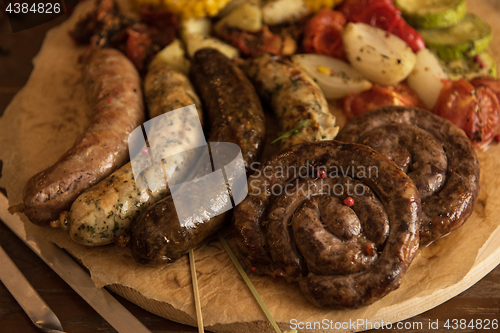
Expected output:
(436, 155)
(342, 257)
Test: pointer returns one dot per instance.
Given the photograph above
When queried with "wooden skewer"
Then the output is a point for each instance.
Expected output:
(197, 303)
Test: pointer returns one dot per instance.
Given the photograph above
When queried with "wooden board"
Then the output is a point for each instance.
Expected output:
(48, 114)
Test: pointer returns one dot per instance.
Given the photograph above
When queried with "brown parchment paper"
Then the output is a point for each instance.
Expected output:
(47, 115)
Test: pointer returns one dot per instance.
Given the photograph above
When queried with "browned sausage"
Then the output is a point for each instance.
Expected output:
(235, 115)
(103, 213)
(294, 97)
(115, 91)
(436, 154)
(295, 224)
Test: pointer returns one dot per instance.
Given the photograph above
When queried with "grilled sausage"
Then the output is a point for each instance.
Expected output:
(436, 154)
(115, 90)
(235, 116)
(104, 212)
(294, 223)
(294, 97)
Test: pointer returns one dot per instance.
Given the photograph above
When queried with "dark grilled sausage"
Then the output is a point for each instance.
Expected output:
(235, 115)
(115, 92)
(295, 224)
(436, 154)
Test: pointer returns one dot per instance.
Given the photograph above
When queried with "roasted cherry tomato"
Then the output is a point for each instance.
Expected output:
(489, 82)
(323, 34)
(384, 15)
(379, 96)
(475, 110)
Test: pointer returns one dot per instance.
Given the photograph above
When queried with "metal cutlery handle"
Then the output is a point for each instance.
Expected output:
(75, 276)
(27, 297)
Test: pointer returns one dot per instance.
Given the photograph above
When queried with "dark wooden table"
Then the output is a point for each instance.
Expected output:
(482, 301)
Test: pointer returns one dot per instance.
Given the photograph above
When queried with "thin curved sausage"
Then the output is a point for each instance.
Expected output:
(114, 89)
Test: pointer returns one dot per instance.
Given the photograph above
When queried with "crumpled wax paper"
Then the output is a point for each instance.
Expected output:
(47, 115)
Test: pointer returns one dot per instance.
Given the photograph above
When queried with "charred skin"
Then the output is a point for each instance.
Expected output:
(235, 115)
(114, 89)
(262, 226)
(104, 212)
(437, 155)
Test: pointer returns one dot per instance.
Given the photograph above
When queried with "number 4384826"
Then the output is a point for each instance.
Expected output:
(485, 324)
(40, 8)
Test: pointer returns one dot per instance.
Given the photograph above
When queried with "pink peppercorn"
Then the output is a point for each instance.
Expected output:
(349, 202)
